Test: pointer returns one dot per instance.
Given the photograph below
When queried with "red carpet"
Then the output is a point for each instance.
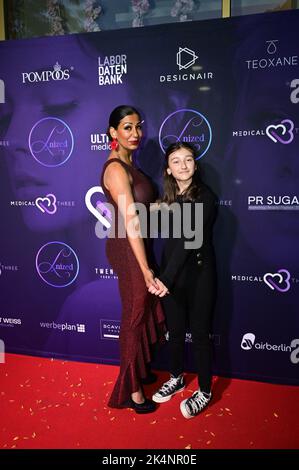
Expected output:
(47, 404)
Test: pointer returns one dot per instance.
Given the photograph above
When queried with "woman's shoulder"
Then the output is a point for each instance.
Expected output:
(206, 194)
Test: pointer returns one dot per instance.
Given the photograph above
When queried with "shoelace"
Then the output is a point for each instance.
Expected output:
(169, 385)
(197, 402)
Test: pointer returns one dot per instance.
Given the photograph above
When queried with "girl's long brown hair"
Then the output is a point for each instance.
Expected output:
(170, 186)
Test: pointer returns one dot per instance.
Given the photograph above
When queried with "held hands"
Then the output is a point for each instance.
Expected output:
(161, 291)
(153, 284)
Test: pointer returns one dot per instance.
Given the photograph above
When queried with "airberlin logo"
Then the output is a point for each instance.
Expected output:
(57, 74)
(249, 343)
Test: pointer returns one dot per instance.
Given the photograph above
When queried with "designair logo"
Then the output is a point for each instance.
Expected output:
(80, 328)
(248, 341)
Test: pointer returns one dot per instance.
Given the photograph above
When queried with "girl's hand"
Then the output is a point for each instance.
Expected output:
(161, 291)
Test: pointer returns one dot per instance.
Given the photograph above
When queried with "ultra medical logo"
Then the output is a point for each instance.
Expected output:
(111, 69)
(57, 74)
(99, 142)
(186, 125)
(271, 59)
(186, 58)
(57, 264)
(51, 142)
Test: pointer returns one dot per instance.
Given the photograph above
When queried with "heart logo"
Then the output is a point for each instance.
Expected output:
(282, 132)
(47, 204)
(278, 281)
(100, 206)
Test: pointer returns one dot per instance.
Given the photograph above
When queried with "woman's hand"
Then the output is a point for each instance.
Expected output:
(149, 278)
(161, 291)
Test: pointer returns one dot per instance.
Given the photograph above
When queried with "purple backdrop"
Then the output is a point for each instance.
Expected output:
(229, 86)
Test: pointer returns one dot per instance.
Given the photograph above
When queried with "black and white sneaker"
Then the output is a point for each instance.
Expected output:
(169, 388)
(193, 405)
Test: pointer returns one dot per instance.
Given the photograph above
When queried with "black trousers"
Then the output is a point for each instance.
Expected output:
(191, 304)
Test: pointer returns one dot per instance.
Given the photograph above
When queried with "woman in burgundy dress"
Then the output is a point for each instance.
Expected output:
(142, 321)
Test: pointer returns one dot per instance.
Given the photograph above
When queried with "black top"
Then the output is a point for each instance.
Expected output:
(176, 256)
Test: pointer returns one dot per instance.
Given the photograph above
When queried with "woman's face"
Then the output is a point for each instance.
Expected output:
(49, 125)
(128, 132)
(181, 165)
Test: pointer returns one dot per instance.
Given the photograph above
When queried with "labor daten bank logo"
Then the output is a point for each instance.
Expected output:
(51, 142)
(57, 264)
(186, 125)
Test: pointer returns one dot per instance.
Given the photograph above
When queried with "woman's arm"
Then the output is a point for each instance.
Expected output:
(118, 183)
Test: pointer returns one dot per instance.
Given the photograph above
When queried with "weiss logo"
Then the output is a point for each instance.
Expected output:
(57, 74)
(2, 91)
(248, 341)
(185, 58)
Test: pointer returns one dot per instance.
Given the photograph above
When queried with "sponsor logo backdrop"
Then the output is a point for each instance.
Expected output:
(231, 88)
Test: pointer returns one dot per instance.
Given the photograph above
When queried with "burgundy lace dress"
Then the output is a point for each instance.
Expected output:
(142, 319)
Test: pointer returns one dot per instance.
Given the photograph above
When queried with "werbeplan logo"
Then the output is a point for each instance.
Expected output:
(111, 69)
(249, 343)
(294, 96)
(57, 264)
(105, 272)
(273, 202)
(10, 322)
(109, 329)
(7, 268)
(278, 281)
(57, 74)
(185, 59)
(64, 327)
(99, 142)
(186, 125)
(2, 92)
(51, 142)
(271, 58)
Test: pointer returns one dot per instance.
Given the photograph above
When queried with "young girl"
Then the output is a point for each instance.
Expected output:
(189, 274)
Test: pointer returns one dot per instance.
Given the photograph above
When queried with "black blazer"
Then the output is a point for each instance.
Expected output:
(176, 257)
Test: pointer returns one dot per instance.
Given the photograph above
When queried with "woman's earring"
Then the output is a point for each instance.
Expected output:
(114, 144)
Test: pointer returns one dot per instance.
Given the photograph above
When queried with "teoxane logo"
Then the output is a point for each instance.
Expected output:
(57, 264)
(248, 341)
(51, 142)
(57, 74)
(2, 92)
(271, 61)
(186, 125)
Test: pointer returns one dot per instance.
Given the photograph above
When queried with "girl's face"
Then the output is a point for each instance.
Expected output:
(128, 132)
(181, 165)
